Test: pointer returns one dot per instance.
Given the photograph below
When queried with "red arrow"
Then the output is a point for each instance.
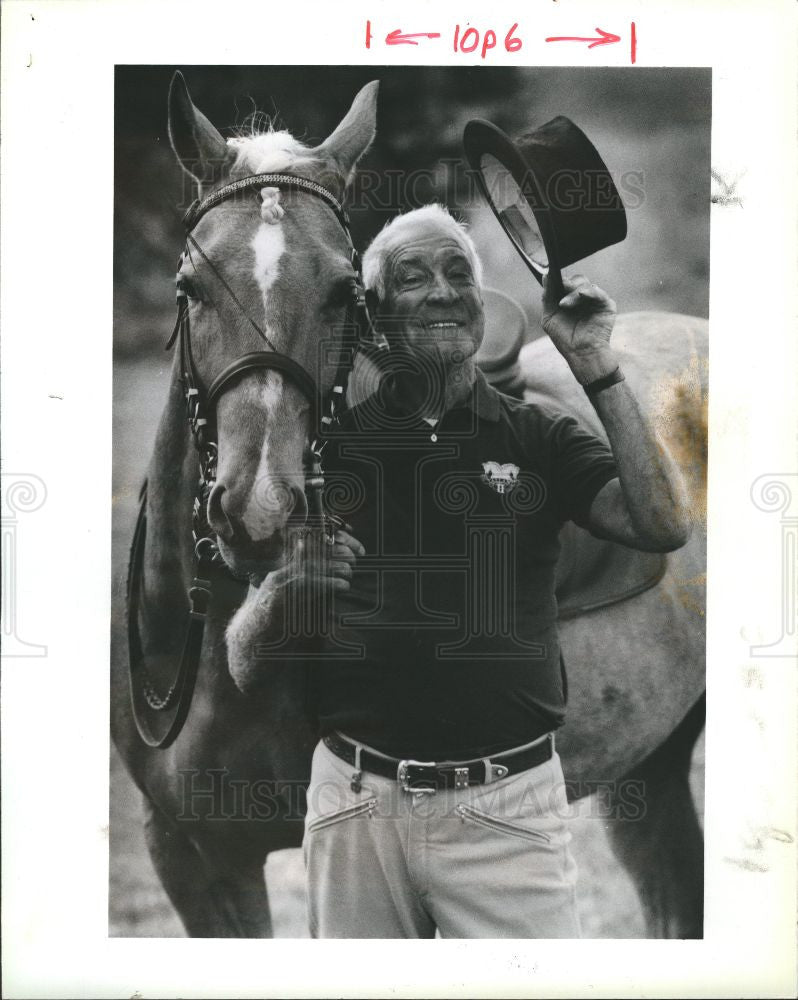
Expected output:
(607, 38)
(397, 38)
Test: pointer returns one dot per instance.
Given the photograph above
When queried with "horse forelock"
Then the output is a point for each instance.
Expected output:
(268, 152)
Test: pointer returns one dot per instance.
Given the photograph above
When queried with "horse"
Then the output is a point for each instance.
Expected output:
(633, 631)
(229, 789)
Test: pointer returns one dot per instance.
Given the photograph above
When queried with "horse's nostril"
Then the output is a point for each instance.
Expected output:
(217, 516)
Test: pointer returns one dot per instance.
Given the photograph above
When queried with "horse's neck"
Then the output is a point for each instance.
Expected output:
(171, 481)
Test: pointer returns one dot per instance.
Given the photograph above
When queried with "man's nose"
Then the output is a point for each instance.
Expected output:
(442, 290)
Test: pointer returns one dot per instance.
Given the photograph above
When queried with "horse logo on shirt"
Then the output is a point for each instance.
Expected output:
(501, 478)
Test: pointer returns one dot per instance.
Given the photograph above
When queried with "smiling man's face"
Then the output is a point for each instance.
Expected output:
(432, 300)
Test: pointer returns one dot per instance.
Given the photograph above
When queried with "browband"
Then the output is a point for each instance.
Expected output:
(199, 207)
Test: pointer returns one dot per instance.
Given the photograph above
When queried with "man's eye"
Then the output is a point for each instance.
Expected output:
(460, 274)
(410, 278)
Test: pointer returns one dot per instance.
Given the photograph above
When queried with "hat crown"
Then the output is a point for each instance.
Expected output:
(564, 181)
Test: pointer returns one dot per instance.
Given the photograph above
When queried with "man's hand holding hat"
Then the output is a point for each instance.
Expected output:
(580, 324)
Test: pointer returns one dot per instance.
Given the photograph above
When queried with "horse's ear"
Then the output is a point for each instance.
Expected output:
(355, 133)
(199, 147)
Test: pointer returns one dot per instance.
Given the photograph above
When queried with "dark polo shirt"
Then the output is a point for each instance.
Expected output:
(446, 645)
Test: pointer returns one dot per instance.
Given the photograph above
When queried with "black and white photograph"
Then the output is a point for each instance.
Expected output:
(414, 501)
(399, 499)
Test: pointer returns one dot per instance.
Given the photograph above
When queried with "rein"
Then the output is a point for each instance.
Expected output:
(160, 718)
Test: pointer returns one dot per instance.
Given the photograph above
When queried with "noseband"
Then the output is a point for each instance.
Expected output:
(159, 719)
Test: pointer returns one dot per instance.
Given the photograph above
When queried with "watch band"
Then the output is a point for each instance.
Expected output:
(594, 388)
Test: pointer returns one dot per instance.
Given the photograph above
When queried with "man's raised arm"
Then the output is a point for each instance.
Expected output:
(646, 506)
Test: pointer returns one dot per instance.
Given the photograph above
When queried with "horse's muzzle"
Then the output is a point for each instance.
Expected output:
(252, 537)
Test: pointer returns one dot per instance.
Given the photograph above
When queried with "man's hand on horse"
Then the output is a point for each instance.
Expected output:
(317, 567)
(580, 325)
(318, 563)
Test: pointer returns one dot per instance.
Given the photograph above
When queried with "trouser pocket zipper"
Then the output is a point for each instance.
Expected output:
(362, 807)
(501, 825)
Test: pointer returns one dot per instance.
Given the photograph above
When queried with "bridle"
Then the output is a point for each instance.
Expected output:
(159, 718)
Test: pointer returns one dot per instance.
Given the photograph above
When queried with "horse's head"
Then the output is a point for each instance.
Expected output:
(280, 266)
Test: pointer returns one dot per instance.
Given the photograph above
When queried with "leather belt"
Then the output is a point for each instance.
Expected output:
(430, 776)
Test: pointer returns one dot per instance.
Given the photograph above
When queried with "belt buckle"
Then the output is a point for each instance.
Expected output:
(403, 776)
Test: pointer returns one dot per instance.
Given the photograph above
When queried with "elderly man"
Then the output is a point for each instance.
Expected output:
(436, 801)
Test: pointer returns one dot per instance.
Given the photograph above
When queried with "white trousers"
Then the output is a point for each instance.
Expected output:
(488, 861)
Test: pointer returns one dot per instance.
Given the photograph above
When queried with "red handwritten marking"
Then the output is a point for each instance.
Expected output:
(470, 40)
(466, 45)
(511, 43)
(488, 42)
(634, 43)
(607, 38)
(396, 37)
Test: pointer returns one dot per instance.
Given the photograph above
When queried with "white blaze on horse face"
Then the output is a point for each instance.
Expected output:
(280, 458)
(269, 246)
(262, 500)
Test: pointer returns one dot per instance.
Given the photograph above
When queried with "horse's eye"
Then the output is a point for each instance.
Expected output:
(185, 284)
(341, 294)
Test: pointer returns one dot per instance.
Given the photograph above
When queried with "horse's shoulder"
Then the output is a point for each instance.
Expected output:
(664, 358)
(644, 339)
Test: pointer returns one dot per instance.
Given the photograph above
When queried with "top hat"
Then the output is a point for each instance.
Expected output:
(550, 190)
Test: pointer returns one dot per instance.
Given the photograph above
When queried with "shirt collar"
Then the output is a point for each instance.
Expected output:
(483, 400)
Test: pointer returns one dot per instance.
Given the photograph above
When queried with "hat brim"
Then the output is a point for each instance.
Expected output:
(505, 331)
(481, 137)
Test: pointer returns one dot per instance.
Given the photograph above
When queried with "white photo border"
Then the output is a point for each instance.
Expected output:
(57, 196)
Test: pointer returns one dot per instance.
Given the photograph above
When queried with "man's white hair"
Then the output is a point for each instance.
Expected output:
(430, 216)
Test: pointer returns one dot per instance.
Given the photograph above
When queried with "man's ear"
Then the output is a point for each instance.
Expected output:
(372, 303)
(199, 147)
(380, 324)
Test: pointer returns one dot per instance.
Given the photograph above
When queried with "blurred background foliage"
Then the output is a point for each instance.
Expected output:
(652, 126)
